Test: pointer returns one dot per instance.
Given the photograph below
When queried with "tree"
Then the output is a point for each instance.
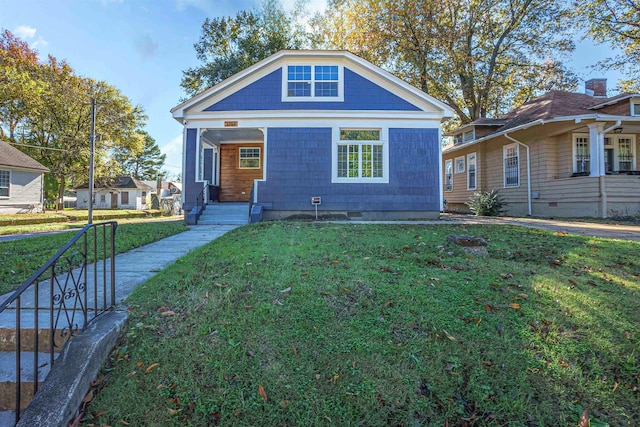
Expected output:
(616, 22)
(145, 164)
(228, 45)
(480, 57)
(20, 91)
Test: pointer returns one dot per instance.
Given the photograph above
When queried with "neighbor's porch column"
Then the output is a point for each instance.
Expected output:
(596, 149)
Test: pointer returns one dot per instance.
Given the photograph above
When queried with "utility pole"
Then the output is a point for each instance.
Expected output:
(91, 161)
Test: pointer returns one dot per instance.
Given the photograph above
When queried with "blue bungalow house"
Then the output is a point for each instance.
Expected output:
(302, 128)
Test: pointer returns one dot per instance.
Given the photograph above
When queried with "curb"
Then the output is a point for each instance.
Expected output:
(65, 387)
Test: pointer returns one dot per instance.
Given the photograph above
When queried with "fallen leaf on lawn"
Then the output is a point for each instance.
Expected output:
(206, 294)
(304, 274)
(435, 279)
(573, 282)
(449, 367)
(563, 363)
(515, 305)
(367, 258)
(449, 336)
(317, 376)
(152, 367)
(525, 296)
(174, 412)
(534, 370)
(584, 418)
(262, 392)
(478, 321)
(560, 233)
(277, 302)
(162, 309)
(139, 364)
(388, 303)
(88, 398)
(627, 334)
(334, 261)
(506, 275)
(284, 403)
(615, 386)
(220, 285)
(168, 313)
(468, 279)
(488, 307)
(125, 423)
(284, 291)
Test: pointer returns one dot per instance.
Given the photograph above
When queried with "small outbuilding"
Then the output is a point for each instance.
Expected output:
(121, 192)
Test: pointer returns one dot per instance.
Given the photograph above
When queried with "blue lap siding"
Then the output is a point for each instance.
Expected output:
(299, 167)
(266, 94)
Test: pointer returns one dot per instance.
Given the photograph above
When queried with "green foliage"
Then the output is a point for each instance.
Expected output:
(486, 203)
(228, 45)
(145, 163)
(481, 58)
(617, 23)
(378, 325)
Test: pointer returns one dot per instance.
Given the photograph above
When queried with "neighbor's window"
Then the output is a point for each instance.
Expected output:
(103, 198)
(582, 156)
(124, 197)
(471, 171)
(307, 81)
(469, 135)
(448, 175)
(635, 108)
(460, 164)
(625, 154)
(249, 158)
(360, 154)
(5, 178)
(511, 155)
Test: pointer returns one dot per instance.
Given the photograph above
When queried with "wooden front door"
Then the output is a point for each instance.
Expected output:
(114, 200)
(240, 164)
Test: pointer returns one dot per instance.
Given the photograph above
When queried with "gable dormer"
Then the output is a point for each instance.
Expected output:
(474, 130)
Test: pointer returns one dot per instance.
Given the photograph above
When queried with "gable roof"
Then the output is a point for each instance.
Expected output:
(14, 158)
(119, 182)
(201, 101)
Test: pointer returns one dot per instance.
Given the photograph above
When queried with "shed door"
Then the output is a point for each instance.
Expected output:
(240, 165)
(114, 200)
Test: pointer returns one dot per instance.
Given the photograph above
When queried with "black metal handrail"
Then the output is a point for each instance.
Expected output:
(60, 300)
(194, 215)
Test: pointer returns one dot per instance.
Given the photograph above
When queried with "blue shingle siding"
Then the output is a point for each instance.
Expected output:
(208, 164)
(299, 167)
(266, 94)
(191, 188)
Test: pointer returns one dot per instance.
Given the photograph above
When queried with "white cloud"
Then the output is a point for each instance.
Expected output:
(40, 43)
(25, 32)
(173, 150)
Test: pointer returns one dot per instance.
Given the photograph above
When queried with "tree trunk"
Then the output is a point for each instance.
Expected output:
(60, 203)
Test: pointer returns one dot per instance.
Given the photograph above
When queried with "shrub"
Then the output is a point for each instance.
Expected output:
(487, 203)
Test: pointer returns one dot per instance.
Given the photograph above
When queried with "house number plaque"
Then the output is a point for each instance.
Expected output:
(231, 124)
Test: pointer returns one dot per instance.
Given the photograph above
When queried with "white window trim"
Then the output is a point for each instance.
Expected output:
(259, 157)
(462, 169)
(614, 139)
(312, 98)
(473, 135)
(336, 141)
(448, 161)
(8, 196)
(475, 170)
(504, 170)
(632, 105)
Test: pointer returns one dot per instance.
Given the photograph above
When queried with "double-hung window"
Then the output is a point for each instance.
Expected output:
(511, 156)
(582, 155)
(249, 158)
(5, 179)
(471, 171)
(625, 155)
(448, 175)
(635, 108)
(359, 156)
(313, 82)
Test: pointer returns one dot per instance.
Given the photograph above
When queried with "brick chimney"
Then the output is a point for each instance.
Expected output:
(596, 87)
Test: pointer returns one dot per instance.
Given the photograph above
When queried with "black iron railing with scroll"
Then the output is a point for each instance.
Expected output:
(57, 302)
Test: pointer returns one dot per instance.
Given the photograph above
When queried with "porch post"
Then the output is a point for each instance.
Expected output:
(596, 149)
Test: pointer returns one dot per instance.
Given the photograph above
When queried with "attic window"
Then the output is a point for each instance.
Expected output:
(312, 83)
(635, 108)
(469, 136)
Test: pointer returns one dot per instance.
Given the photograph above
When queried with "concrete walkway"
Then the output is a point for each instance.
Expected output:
(132, 269)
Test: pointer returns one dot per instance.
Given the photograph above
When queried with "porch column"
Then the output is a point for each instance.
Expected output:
(596, 149)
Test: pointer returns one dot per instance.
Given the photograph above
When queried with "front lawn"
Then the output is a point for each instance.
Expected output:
(381, 325)
(22, 258)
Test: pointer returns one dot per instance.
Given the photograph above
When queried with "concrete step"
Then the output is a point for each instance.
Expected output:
(7, 418)
(9, 339)
(30, 372)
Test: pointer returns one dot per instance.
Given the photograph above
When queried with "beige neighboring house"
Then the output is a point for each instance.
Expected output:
(122, 192)
(561, 154)
(21, 181)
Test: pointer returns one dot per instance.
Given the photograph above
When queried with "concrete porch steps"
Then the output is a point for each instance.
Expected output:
(29, 368)
(225, 214)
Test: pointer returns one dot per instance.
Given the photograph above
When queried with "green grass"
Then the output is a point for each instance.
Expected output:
(22, 258)
(381, 325)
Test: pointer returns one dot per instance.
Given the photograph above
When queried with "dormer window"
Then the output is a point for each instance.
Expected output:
(469, 136)
(312, 83)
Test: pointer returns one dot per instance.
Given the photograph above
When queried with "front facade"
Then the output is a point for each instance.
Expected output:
(562, 154)
(21, 181)
(321, 125)
(123, 192)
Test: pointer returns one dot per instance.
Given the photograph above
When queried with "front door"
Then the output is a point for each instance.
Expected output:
(114, 200)
(608, 160)
(240, 165)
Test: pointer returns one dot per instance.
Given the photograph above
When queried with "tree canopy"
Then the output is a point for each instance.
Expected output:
(228, 45)
(146, 163)
(46, 105)
(480, 57)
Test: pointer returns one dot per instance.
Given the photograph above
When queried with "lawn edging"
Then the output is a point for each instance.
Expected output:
(60, 396)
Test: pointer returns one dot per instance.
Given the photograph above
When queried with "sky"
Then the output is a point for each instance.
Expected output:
(142, 46)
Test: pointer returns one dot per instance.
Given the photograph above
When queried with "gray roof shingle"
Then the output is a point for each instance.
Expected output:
(14, 158)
